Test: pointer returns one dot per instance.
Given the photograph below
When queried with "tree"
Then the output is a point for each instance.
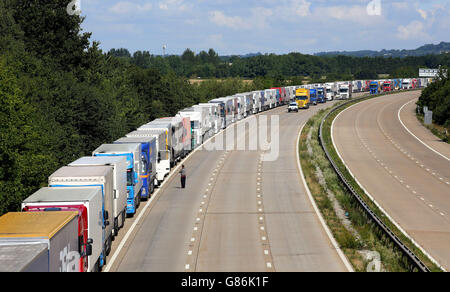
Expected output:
(49, 31)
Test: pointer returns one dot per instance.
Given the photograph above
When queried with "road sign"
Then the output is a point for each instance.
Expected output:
(432, 73)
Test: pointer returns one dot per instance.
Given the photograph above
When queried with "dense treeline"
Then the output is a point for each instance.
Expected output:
(61, 96)
(209, 64)
(437, 98)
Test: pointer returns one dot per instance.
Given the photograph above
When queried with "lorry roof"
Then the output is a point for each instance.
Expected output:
(136, 140)
(149, 132)
(34, 224)
(98, 160)
(48, 195)
(117, 148)
(82, 171)
(16, 258)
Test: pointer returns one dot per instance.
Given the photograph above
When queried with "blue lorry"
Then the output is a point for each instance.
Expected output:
(321, 98)
(148, 160)
(132, 152)
(313, 96)
(374, 87)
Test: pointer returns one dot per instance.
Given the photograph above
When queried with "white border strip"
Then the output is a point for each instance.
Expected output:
(404, 126)
(316, 209)
(372, 198)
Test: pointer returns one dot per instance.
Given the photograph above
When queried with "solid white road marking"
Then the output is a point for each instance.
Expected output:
(400, 119)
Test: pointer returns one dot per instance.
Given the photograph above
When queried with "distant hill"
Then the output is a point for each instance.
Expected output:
(430, 49)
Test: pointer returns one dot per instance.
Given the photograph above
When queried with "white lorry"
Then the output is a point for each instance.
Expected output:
(119, 165)
(162, 149)
(39, 242)
(88, 203)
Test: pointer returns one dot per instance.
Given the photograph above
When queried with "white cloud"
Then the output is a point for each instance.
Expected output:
(128, 7)
(235, 22)
(177, 5)
(256, 20)
(414, 30)
(356, 14)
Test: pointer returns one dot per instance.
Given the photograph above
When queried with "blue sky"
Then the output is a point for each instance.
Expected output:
(267, 26)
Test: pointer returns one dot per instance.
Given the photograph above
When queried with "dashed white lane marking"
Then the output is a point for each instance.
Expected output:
(390, 172)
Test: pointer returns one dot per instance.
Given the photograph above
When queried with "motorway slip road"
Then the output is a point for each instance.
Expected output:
(404, 167)
(237, 214)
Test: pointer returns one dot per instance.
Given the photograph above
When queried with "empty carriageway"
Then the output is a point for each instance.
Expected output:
(402, 166)
(238, 213)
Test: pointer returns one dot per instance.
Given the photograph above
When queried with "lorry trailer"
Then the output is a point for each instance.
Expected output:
(132, 152)
(55, 235)
(163, 153)
(119, 165)
(87, 202)
(148, 162)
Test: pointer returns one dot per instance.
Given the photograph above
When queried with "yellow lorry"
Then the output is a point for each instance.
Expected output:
(302, 98)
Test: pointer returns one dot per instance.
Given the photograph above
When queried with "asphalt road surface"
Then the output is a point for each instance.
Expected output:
(237, 214)
(404, 167)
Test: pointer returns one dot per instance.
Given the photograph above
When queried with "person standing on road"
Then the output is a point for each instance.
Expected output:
(183, 176)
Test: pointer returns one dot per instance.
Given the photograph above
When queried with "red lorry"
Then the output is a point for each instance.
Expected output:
(388, 86)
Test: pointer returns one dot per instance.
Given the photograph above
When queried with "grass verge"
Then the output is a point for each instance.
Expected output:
(439, 131)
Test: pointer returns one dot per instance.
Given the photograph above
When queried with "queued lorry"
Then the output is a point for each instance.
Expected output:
(345, 90)
(313, 96)
(388, 86)
(119, 165)
(406, 84)
(148, 162)
(321, 92)
(374, 87)
(226, 109)
(87, 202)
(91, 176)
(257, 102)
(330, 91)
(197, 117)
(132, 153)
(302, 98)
(39, 242)
(213, 118)
(163, 152)
(174, 129)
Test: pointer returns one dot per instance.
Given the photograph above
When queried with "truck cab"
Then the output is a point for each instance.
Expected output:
(321, 92)
(345, 91)
(388, 86)
(374, 87)
(313, 96)
(302, 98)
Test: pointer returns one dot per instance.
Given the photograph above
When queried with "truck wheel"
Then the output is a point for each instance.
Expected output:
(123, 218)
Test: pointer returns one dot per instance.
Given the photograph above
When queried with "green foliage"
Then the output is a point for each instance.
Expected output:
(326, 68)
(437, 97)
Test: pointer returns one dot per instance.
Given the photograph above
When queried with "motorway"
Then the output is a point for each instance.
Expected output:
(237, 214)
(404, 167)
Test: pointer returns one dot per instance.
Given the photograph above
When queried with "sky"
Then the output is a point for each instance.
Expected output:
(237, 27)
